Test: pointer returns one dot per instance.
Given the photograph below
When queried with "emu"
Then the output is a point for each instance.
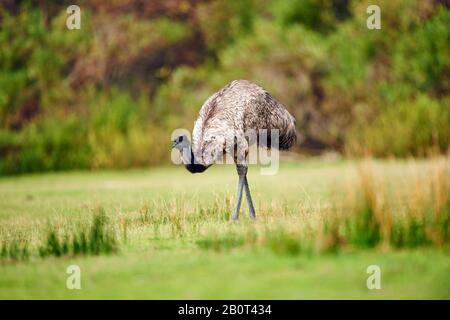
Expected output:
(226, 116)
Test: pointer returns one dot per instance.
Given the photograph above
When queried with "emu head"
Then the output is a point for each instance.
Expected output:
(181, 142)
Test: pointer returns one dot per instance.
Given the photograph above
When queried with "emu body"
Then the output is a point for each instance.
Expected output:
(227, 116)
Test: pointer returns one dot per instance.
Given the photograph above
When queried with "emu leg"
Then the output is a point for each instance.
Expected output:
(251, 208)
(235, 215)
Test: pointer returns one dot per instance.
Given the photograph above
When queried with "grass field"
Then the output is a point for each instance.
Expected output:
(172, 238)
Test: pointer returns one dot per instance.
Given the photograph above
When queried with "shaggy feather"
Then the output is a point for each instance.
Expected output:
(239, 107)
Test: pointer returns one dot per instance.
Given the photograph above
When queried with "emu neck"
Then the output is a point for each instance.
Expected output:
(190, 162)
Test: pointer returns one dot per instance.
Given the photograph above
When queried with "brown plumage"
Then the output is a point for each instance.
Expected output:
(228, 114)
(223, 126)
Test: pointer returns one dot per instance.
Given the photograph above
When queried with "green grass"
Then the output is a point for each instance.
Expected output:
(94, 239)
(172, 237)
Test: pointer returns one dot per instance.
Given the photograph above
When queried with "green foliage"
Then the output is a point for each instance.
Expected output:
(413, 127)
(321, 15)
(14, 250)
(33, 62)
(222, 22)
(119, 136)
(421, 58)
(94, 239)
(108, 95)
(364, 228)
(51, 144)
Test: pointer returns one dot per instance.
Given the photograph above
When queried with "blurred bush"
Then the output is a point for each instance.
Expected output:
(416, 127)
(110, 94)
